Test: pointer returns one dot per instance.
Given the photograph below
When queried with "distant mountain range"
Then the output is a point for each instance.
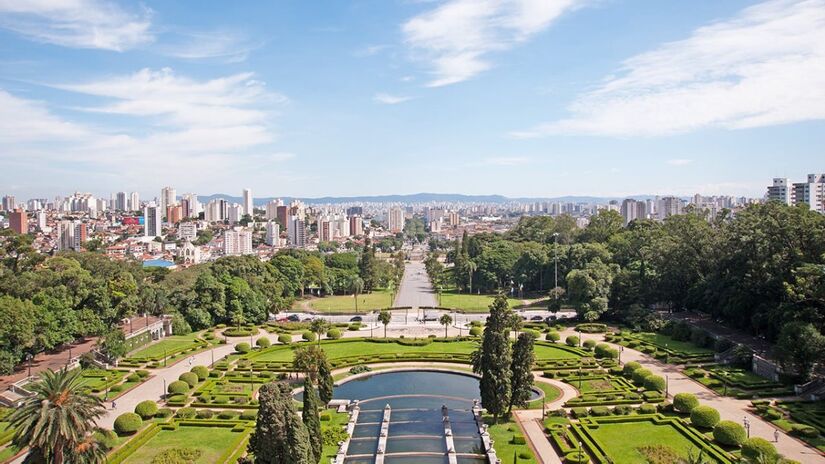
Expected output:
(425, 198)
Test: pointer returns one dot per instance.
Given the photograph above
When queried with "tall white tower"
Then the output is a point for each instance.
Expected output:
(247, 202)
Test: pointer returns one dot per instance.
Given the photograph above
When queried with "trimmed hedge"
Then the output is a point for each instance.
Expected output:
(572, 340)
(552, 336)
(759, 448)
(146, 409)
(639, 376)
(685, 402)
(308, 336)
(654, 383)
(201, 371)
(177, 387)
(263, 342)
(190, 378)
(186, 413)
(630, 367)
(475, 331)
(704, 417)
(334, 334)
(729, 433)
(243, 348)
(286, 339)
(164, 413)
(127, 423)
(589, 344)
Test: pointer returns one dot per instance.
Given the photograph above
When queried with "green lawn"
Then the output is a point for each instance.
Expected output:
(596, 385)
(502, 434)
(675, 345)
(337, 420)
(551, 393)
(378, 299)
(622, 440)
(212, 441)
(356, 347)
(471, 302)
(168, 345)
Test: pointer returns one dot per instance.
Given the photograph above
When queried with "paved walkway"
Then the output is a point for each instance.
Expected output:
(45, 361)
(532, 424)
(415, 290)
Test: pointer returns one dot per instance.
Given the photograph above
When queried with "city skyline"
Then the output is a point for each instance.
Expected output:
(522, 98)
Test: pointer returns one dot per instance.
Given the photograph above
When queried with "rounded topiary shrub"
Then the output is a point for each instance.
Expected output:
(146, 409)
(228, 415)
(704, 417)
(572, 340)
(286, 339)
(308, 336)
(630, 367)
(576, 457)
(186, 413)
(803, 430)
(685, 402)
(639, 375)
(243, 348)
(201, 371)
(263, 342)
(249, 414)
(589, 344)
(190, 378)
(654, 383)
(177, 387)
(759, 450)
(133, 378)
(647, 408)
(142, 373)
(205, 413)
(164, 413)
(127, 423)
(334, 334)
(475, 331)
(729, 433)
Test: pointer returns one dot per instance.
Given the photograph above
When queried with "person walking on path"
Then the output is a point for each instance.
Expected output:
(776, 436)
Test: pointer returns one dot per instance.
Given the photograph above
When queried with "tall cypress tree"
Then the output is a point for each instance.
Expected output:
(312, 421)
(325, 382)
(366, 267)
(522, 369)
(493, 359)
(280, 436)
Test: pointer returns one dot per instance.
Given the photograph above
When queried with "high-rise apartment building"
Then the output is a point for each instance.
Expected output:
(174, 214)
(234, 213)
(9, 203)
(237, 241)
(780, 191)
(668, 206)
(811, 193)
(248, 202)
(168, 197)
(121, 203)
(152, 221)
(71, 235)
(41, 220)
(632, 210)
(296, 232)
(272, 209)
(396, 220)
(273, 233)
(19, 221)
(134, 201)
(356, 225)
(282, 215)
(215, 210)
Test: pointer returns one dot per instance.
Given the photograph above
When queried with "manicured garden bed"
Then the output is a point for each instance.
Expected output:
(510, 443)
(173, 347)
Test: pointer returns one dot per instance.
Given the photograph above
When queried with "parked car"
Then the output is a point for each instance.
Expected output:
(536, 318)
(356, 319)
(293, 318)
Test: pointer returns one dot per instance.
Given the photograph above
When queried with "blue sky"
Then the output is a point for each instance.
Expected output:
(310, 98)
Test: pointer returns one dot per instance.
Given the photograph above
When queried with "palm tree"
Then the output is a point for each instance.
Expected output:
(471, 267)
(384, 317)
(58, 420)
(446, 320)
(357, 286)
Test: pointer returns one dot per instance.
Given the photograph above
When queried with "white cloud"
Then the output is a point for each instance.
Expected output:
(507, 160)
(388, 99)
(679, 162)
(200, 131)
(77, 23)
(229, 47)
(766, 66)
(370, 50)
(456, 37)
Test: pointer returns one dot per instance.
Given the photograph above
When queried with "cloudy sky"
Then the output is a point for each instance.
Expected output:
(314, 98)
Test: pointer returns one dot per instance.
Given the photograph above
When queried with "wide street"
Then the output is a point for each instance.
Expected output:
(415, 290)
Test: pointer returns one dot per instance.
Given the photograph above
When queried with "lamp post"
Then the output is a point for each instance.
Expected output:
(213, 357)
(29, 358)
(163, 393)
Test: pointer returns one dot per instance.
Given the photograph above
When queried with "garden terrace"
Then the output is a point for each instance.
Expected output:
(737, 382)
(807, 419)
(220, 441)
(172, 348)
(619, 439)
(354, 351)
(663, 347)
(234, 390)
(604, 389)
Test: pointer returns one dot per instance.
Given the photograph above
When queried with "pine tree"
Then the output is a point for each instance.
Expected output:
(280, 436)
(312, 421)
(522, 369)
(493, 359)
(325, 382)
